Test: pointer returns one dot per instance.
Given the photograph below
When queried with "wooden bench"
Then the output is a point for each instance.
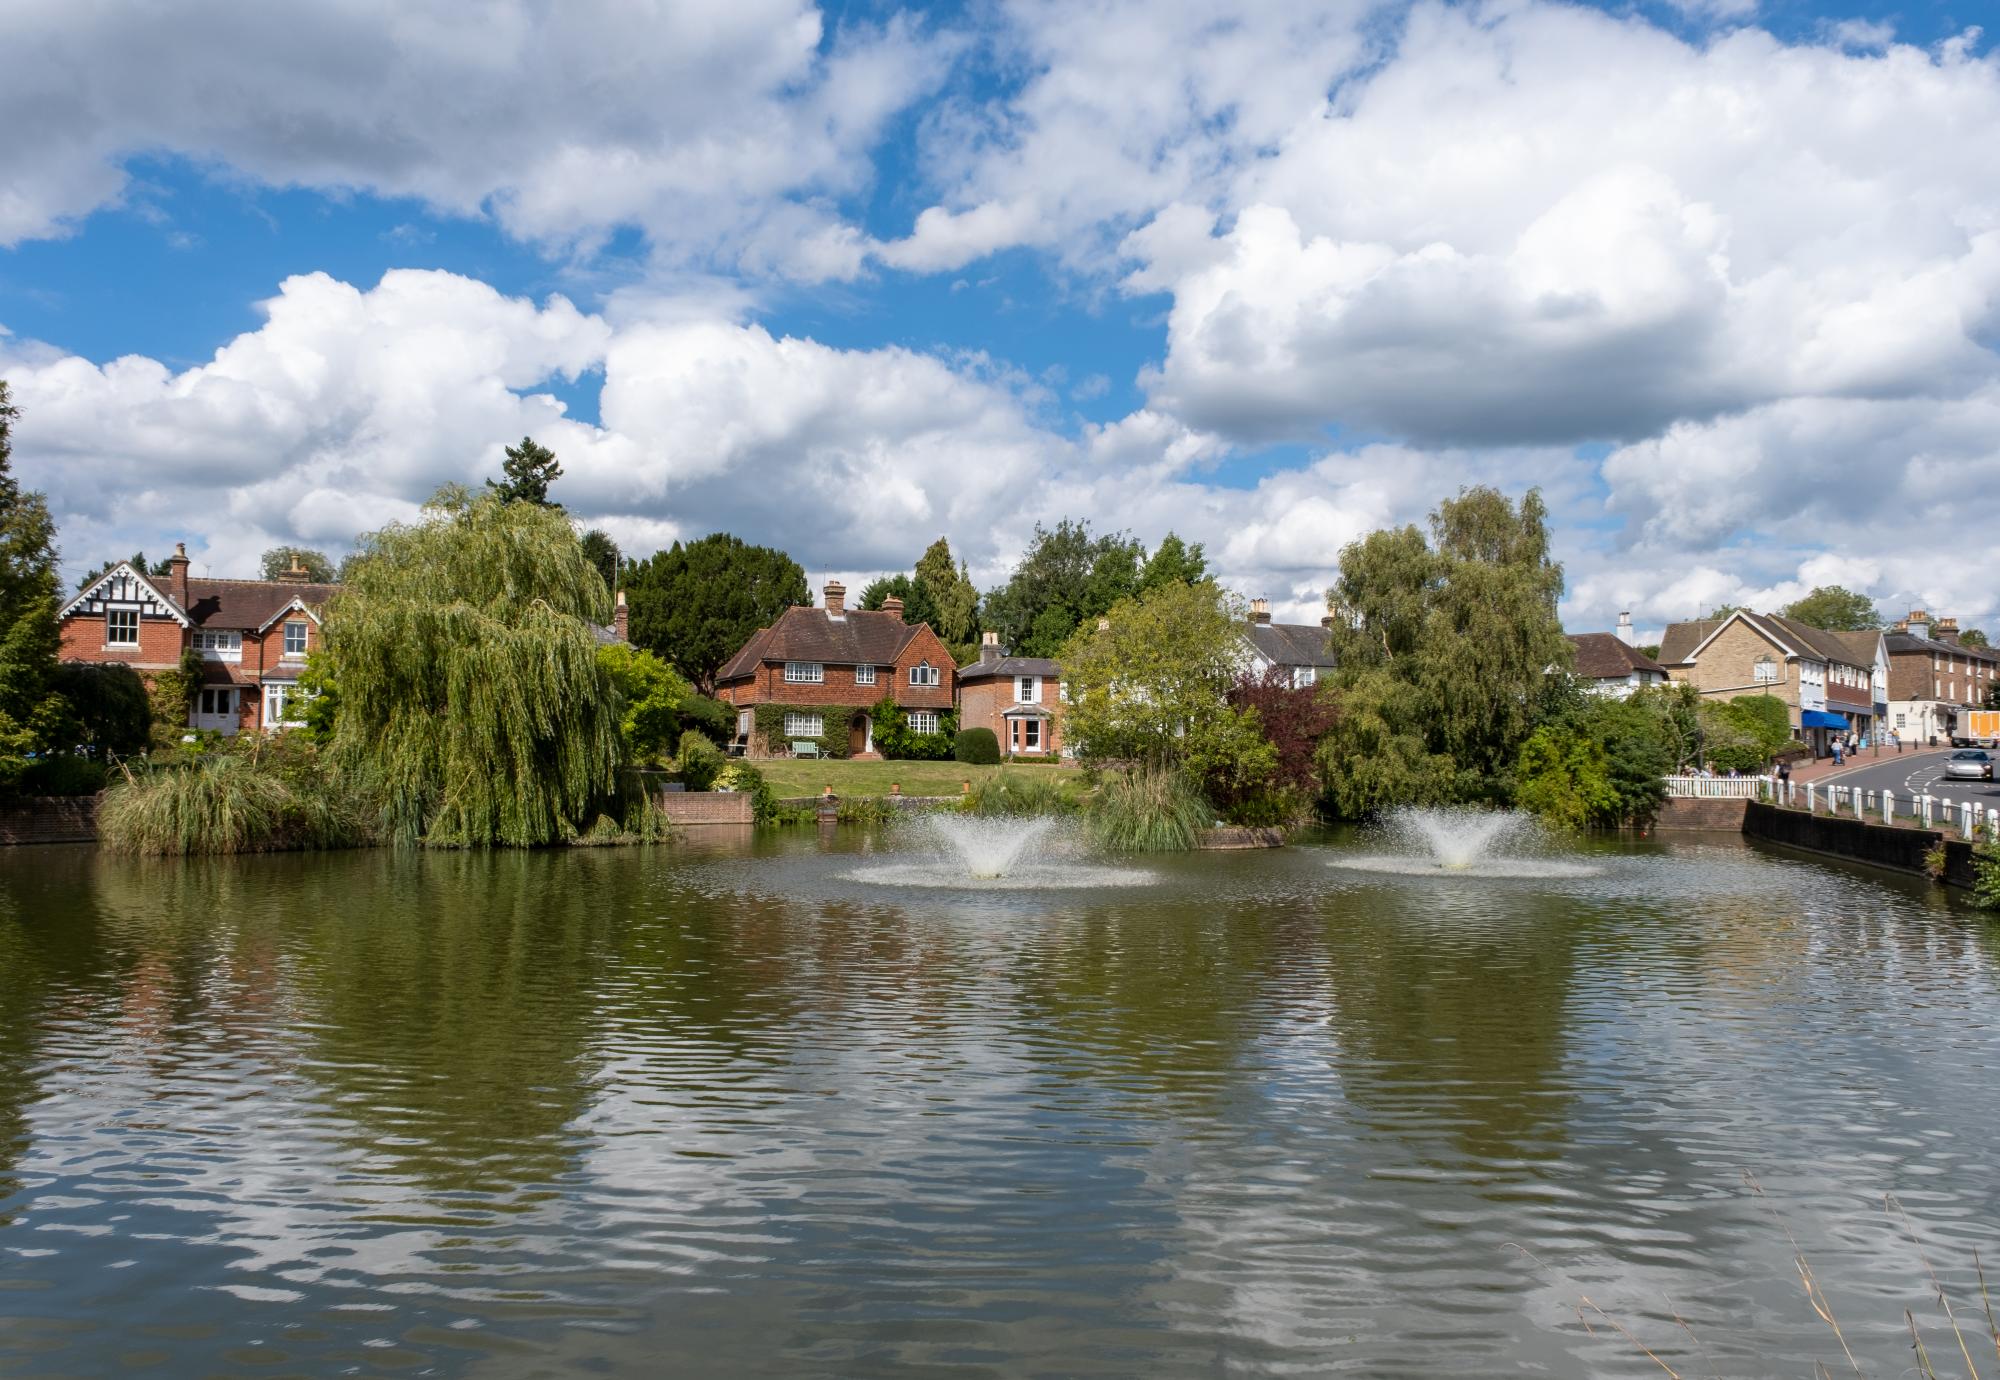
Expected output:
(805, 747)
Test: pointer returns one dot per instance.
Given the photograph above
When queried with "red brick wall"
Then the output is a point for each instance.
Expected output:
(926, 646)
(160, 642)
(768, 684)
(984, 704)
(705, 807)
(49, 819)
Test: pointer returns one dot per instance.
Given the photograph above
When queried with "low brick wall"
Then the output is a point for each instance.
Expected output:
(1229, 837)
(687, 809)
(49, 819)
(1708, 816)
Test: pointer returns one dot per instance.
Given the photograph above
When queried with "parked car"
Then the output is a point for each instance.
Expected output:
(1969, 765)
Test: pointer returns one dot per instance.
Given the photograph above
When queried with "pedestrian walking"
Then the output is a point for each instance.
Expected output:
(1839, 751)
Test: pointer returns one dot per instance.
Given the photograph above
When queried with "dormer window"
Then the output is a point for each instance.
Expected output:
(295, 638)
(219, 646)
(121, 627)
(923, 673)
(805, 673)
(864, 675)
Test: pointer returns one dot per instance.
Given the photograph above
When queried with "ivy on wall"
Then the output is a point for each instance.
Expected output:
(894, 740)
(834, 721)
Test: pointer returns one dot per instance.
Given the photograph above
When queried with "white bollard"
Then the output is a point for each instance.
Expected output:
(1888, 807)
(1812, 803)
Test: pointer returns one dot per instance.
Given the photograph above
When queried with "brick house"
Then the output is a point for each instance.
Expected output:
(1933, 676)
(1612, 665)
(827, 667)
(253, 636)
(1298, 652)
(1828, 685)
(1018, 697)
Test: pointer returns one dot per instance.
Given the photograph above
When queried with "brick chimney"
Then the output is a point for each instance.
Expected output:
(1625, 628)
(836, 599)
(1918, 624)
(990, 649)
(1327, 622)
(620, 617)
(1946, 630)
(177, 575)
(1260, 610)
(893, 605)
(297, 574)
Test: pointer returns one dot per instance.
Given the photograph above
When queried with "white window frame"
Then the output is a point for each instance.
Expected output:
(1031, 735)
(214, 695)
(215, 645)
(923, 673)
(864, 675)
(284, 704)
(920, 717)
(300, 625)
(799, 724)
(1027, 689)
(1764, 670)
(805, 673)
(114, 619)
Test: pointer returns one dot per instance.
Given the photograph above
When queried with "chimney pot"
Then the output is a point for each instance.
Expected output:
(893, 605)
(1326, 621)
(177, 575)
(621, 618)
(1625, 628)
(1260, 610)
(836, 599)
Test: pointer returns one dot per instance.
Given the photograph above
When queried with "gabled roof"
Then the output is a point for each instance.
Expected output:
(1010, 666)
(1682, 642)
(1929, 646)
(1604, 656)
(251, 605)
(1291, 644)
(124, 584)
(1818, 642)
(862, 637)
(1861, 646)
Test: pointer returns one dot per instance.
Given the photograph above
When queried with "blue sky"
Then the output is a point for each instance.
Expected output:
(1721, 278)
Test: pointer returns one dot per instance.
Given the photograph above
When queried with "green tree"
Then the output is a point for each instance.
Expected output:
(880, 590)
(1377, 753)
(1721, 611)
(602, 553)
(109, 711)
(697, 603)
(150, 569)
(1974, 637)
(473, 707)
(1154, 687)
(954, 600)
(279, 560)
(1565, 777)
(1835, 609)
(1173, 562)
(1066, 578)
(529, 469)
(32, 715)
(653, 694)
(1466, 625)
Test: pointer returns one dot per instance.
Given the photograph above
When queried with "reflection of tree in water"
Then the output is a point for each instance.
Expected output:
(448, 1003)
(1452, 1019)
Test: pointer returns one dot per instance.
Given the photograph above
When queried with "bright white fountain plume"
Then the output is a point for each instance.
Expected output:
(993, 853)
(989, 848)
(1464, 842)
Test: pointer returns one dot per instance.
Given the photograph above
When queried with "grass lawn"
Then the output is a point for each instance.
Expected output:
(795, 777)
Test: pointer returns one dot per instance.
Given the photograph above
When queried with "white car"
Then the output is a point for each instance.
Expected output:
(1970, 765)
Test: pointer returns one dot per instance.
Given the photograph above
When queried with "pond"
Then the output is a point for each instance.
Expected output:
(756, 1108)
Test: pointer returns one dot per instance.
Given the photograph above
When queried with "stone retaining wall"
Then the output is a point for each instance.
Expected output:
(693, 808)
(49, 819)
(1705, 815)
(1860, 840)
(1229, 837)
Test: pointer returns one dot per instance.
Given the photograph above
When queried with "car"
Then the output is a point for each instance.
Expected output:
(1969, 765)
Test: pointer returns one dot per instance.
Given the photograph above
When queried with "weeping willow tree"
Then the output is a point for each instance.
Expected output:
(472, 704)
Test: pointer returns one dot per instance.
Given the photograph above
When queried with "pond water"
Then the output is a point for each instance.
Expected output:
(742, 1110)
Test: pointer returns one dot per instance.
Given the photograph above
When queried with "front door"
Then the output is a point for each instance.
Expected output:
(216, 709)
(861, 735)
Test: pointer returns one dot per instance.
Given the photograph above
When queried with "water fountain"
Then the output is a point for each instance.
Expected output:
(1005, 853)
(1464, 842)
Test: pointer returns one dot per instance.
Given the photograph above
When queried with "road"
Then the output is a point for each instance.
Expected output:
(1918, 774)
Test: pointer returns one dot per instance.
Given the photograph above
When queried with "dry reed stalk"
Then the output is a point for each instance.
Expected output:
(1889, 1200)
(1986, 1301)
(1584, 1301)
(1923, 1357)
(1814, 1295)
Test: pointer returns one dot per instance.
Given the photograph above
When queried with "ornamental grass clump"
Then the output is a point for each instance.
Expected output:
(473, 707)
(1148, 810)
(1010, 793)
(226, 803)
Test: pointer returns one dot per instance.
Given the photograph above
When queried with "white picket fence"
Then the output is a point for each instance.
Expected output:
(1719, 787)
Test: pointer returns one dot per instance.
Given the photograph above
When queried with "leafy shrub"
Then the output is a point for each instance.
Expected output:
(1985, 876)
(700, 761)
(111, 712)
(1565, 777)
(980, 747)
(653, 693)
(712, 717)
(864, 809)
(738, 775)
(63, 775)
(1148, 810)
(1009, 793)
(895, 742)
(226, 803)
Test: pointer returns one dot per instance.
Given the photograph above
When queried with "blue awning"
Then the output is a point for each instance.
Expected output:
(1819, 718)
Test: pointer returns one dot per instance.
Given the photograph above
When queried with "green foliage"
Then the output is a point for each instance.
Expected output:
(173, 695)
(1986, 876)
(953, 598)
(652, 693)
(529, 469)
(64, 774)
(110, 713)
(864, 809)
(1745, 733)
(1067, 578)
(1936, 859)
(279, 561)
(836, 722)
(473, 707)
(894, 740)
(1974, 637)
(1564, 777)
(227, 802)
(1148, 809)
(741, 777)
(1018, 793)
(150, 569)
(976, 746)
(602, 553)
(699, 761)
(322, 699)
(1836, 609)
(696, 604)
(1444, 647)
(32, 716)
(1173, 562)
(713, 717)
(1154, 688)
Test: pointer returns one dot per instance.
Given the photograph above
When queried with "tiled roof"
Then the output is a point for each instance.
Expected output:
(1677, 644)
(1909, 642)
(246, 604)
(861, 638)
(983, 669)
(1603, 656)
(1291, 644)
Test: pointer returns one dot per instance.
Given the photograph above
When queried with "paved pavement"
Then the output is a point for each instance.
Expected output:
(1911, 774)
